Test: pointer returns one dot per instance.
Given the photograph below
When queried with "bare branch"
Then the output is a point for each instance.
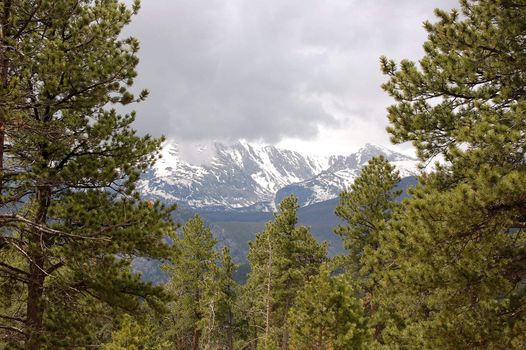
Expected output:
(12, 329)
(7, 218)
(11, 318)
(14, 269)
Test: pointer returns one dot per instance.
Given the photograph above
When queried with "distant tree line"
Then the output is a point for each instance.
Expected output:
(443, 269)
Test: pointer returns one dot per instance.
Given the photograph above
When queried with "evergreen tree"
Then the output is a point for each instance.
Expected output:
(458, 250)
(325, 315)
(249, 312)
(218, 305)
(70, 218)
(367, 208)
(282, 257)
(192, 274)
(134, 335)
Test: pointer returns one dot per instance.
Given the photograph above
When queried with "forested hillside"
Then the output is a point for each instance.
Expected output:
(442, 266)
(236, 229)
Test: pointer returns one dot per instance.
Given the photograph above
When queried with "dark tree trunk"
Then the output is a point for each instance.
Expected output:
(4, 80)
(285, 336)
(34, 302)
(195, 339)
(230, 336)
(37, 275)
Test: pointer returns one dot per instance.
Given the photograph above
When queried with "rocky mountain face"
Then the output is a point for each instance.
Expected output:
(247, 177)
(341, 172)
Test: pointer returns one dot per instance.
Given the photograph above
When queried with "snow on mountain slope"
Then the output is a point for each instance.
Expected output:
(239, 175)
(244, 176)
(341, 173)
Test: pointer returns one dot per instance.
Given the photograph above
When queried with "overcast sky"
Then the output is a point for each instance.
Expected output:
(302, 74)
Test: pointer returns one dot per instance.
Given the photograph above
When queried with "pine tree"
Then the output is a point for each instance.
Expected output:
(218, 304)
(326, 315)
(366, 209)
(249, 312)
(192, 274)
(230, 290)
(282, 257)
(134, 335)
(458, 250)
(71, 220)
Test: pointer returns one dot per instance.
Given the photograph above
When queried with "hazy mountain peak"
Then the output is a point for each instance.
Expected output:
(242, 174)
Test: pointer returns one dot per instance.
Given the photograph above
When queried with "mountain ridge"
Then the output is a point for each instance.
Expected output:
(249, 177)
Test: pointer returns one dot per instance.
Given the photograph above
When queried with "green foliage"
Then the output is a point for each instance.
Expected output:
(367, 208)
(204, 291)
(457, 249)
(469, 87)
(133, 335)
(325, 315)
(71, 220)
(282, 257)
(220, 294)
(192, 266)
(458, 280)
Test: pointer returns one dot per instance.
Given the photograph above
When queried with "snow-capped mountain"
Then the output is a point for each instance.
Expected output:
(341, 172)
(251, 177)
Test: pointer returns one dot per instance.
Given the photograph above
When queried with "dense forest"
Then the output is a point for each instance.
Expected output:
(443, 269)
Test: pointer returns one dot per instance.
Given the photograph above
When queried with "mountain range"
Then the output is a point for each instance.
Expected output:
(254, 178)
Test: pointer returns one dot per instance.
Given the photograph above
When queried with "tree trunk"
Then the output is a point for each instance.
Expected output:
(230, 335)
(195, 339)
(285, 339)
(269, 290)
(37, 275)
(285, 336)
(4, 80)
(34, 302)
(211, 325)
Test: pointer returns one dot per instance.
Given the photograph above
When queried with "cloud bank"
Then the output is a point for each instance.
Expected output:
(271, 70)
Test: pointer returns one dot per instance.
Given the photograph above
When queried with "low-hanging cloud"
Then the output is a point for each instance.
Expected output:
(268, 70)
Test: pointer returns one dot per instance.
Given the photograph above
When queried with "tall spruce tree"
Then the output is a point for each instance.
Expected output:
(459, 248)
(281, 258)
(70, 219)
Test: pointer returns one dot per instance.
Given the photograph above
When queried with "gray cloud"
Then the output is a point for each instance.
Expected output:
(268, 70)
